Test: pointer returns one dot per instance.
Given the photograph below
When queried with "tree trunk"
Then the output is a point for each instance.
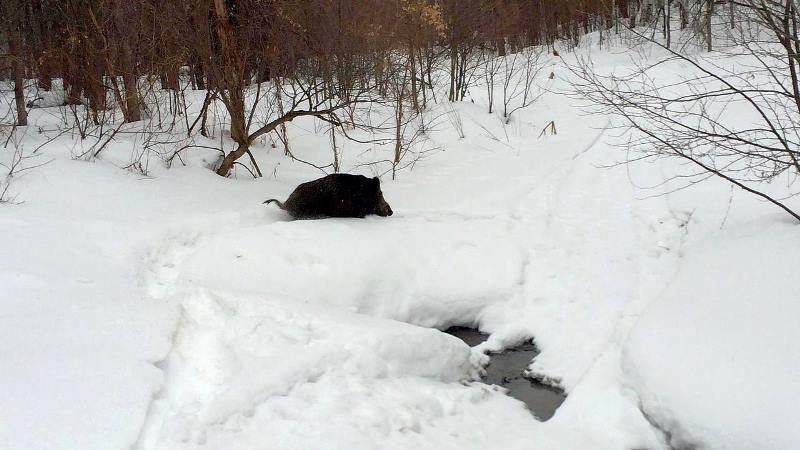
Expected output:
(46, 63)
(234, 103)
(422, 77)
(131, 110)
(428, 64)
(231, 88)
(283, 133)
(96, 94)
(173, 79)
(203, 118)
(413, 69)
(118, 95)
(684, 15)
(264, 74)
(230, 159)
(398, 137)
(72, 93)
(622, 9)
(378, 71)
(732, 10)
(15, 46)
(45, 81)
(501, 46)
(709, 12)
(198, 75)
(453, 66)
(131, 98)
(667, 20)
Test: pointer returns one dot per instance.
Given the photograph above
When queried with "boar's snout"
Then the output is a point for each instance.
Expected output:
(383, 208)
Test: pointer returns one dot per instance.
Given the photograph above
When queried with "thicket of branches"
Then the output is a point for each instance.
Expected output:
(111, 57)
(265, 63)
(734, 115)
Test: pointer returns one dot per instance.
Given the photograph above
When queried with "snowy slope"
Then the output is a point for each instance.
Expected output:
(176, 311)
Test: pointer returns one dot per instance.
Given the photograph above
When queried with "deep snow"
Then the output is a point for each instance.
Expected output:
(176, 311)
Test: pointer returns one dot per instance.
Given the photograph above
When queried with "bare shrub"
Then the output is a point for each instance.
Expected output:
(698, 118)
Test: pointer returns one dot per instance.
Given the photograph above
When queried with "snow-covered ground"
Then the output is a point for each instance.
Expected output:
(175, 311)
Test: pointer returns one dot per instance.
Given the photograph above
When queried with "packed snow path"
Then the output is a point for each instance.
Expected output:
(317, 334)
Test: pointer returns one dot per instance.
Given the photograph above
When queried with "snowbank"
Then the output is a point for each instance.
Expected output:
(715, 358)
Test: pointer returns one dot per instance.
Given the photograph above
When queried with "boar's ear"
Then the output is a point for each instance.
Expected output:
(376, 181)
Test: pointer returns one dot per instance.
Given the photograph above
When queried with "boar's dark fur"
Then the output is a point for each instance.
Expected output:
(336, 195)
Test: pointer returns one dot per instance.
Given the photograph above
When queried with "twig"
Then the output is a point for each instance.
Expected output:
(177, 152)
(552, 126)
(247, 168)
(255, 164)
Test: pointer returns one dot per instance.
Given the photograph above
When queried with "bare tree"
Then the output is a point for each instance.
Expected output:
(490, 68)
(11, 27)
(519, 72)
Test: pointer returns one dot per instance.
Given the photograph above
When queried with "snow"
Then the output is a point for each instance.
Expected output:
(715, 356)
(175, 311)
